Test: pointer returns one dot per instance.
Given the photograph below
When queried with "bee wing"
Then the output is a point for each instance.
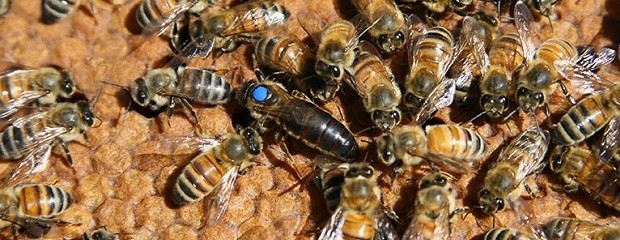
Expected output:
(458, 166)
(583, 79)
(593, 60)
(219, 201)
(523, 22)
(33, 117)
(609, 141)
(275, 17)
(172, 17)
(35, 162)
(441, 96)
(333, 229)
(15, 104)
(385, 228)
(312, 25)
(526, 146)
(581, 232)
(416, 228)
(473, 39)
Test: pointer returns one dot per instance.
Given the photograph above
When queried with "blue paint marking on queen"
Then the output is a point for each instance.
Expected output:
(260, 93)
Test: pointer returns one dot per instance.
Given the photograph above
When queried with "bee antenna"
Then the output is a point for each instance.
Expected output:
(477, 116)
(550, 23)
(510, 114)
(365, 130)
(114, 84)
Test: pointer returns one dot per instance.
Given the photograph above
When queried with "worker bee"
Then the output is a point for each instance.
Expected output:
(375, 84)
(572, 228)
(441, 6)
(426, 87)
(521, 158)
(360, 214)
(214, 171)
(156, 15)
(55, 10)
(544, 7)
(34, 136)
(101, 234)
(434, 206)
(449, 146)
(330, 179)
(286, 53)
(165, 87)
(20, 87)
(299, 117)
(539, 78)
(337, 42)
(387, 25)
(225, 29)
(5, 6)
(508, 234)
(31, 208)
(580, 167)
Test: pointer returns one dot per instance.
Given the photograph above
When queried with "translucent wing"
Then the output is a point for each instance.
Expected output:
(31, 118)
(333, 229)
(584, 80)
(385, 229)
(176, 12)
(591, 60)
(272, 18)
(451, 165)
(312, 25)
(219, 201)
(176, 145)
(523, 22)
(35, 162)
(15, 104)
(441, 96)
(529, 149)
(582, 230)
(609, 141)
(473, 39)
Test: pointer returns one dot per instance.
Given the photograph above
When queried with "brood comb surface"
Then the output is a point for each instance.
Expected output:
(122, 178)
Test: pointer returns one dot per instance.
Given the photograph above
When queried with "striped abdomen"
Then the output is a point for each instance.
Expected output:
(251, 17)
(41, 200)
(331, 183)
(285, 53)
(55, 10)
(17, 142)
(198, 178)
(455, 142)
(12, 85)
(375, 81)
(507, 52)
(582, 120)
(203, 86)
(433, 48)
(556, 49)
(336, 38)
(5, 5)
(152, 14)
(318, 129)
(358, 226)
(507, 234)
(602, 182)
(529, 146)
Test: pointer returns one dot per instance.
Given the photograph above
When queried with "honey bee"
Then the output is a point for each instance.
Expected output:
(31, 208)
(286, 53)
(441, 6)
(20, 87)
(387, 25)
(299, 117)
(572, 228)
(214, 171)
(426, 87)
(55, 10)
(540, 77)
(449, 146)
(5, 6)
(165, 87)
(225, 29)
(34, 136)
(544, 7)
(156, 15)
(580, 167)
(101, 234)
(330, 180)
(521, 158)
(375, 84)
(360, 214)
(434, 205)
(337, 42)
(508, 234)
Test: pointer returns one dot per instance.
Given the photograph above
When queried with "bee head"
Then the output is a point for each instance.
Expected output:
(88, 116)
(489, 202)
(494, 105)
(392, 42)
(140, 93)
(67, 87)
(386, 120)
(529, 99)
(253, 139)
(386, 149)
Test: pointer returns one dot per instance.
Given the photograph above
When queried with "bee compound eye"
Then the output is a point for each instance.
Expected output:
(335, 71)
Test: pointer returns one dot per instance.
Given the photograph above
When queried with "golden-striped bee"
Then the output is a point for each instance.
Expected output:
(5, 6)
(34, 136)
(166, 87)
(360, 214)
(572, 228)
(268, 100)
(387, 25)
(434, 206)
(156, 15)
(330, 179)
(286, 53)
(508, 234)
(20, 87)
(440, 6)
(375, 84)
(225, 29)
(540, 76)
(335, 53)
(101, 234)
(521, 158)
(31, 208)
(426, 87)
(213, 172)
(544, 7)
(449, 146)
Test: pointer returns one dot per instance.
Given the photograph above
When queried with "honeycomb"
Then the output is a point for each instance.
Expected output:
(121, 176)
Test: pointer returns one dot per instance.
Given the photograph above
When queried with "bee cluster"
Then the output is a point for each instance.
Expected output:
(411, 127)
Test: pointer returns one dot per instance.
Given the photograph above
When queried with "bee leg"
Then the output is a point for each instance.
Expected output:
(283, 146)
(429, 18)
(566, 93)
(194, 115)
(64, 147)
